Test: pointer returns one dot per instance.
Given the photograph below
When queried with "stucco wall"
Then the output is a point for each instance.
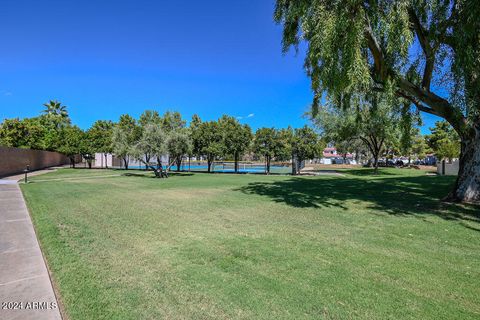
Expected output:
(15, 160)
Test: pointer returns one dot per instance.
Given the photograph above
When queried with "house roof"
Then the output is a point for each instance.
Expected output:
(332, 153)
(338, 155)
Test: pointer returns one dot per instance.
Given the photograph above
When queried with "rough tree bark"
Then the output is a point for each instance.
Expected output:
(467, 185)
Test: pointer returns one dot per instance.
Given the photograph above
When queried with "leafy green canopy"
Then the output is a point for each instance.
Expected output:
(236, 137)
(419, 147)
(179, 143)
(209, 139)
(444, 141)
(26, 133)
(71, 141)
(171, 121)
(57, 113)
(100, 136)
(152, 142)
(268, 143)
(42, 132)
(378, 122)
(400, 47)
(306, 143)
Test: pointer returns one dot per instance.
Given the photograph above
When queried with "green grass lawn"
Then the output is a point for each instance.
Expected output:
(221, 246)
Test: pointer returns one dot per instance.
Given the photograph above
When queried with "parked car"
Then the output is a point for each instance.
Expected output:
(337, 161)
(390, 163)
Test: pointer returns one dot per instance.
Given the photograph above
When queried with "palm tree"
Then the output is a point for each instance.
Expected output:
(55, 109)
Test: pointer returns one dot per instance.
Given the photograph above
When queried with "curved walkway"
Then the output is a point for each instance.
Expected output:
(26, 291)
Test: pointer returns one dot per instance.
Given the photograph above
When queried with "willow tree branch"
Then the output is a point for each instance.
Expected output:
(417, 103)
(376, 50)
(422, 35)
(436, 104)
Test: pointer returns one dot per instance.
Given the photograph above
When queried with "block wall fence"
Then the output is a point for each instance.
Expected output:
(15, 160)
(448, 169)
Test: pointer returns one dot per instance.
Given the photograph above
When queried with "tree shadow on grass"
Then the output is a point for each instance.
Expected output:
(392, 194)
(366, 172)
(150, 174)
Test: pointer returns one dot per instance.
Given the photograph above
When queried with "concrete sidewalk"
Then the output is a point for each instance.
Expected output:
(25, 288)
(21, 176)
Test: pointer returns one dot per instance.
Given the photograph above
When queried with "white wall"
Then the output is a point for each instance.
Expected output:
(100, 160)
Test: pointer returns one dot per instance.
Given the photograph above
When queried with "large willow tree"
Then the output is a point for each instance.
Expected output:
(425, 51)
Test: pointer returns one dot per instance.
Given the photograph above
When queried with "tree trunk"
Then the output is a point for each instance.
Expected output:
(294, 169)
(72, 161)
(163, 173)
(236, 162)
(89, 164)
(375, 163)
(298, 164)
(147, 160)
(160, 173)
(179, 163)
(106, 165)
(209, 164)
(269, 159)
(125, 162)
(156, 171)
(467, 185)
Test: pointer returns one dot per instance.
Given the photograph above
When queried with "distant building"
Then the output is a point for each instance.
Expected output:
(112, 161)
(331, 156)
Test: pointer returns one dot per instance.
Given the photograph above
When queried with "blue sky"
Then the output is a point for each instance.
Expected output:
(105, 58)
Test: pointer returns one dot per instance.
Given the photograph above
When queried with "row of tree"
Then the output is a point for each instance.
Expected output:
(154, 135)
(223, 139)
(43, 132)
(382, 126)
(375, 128)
